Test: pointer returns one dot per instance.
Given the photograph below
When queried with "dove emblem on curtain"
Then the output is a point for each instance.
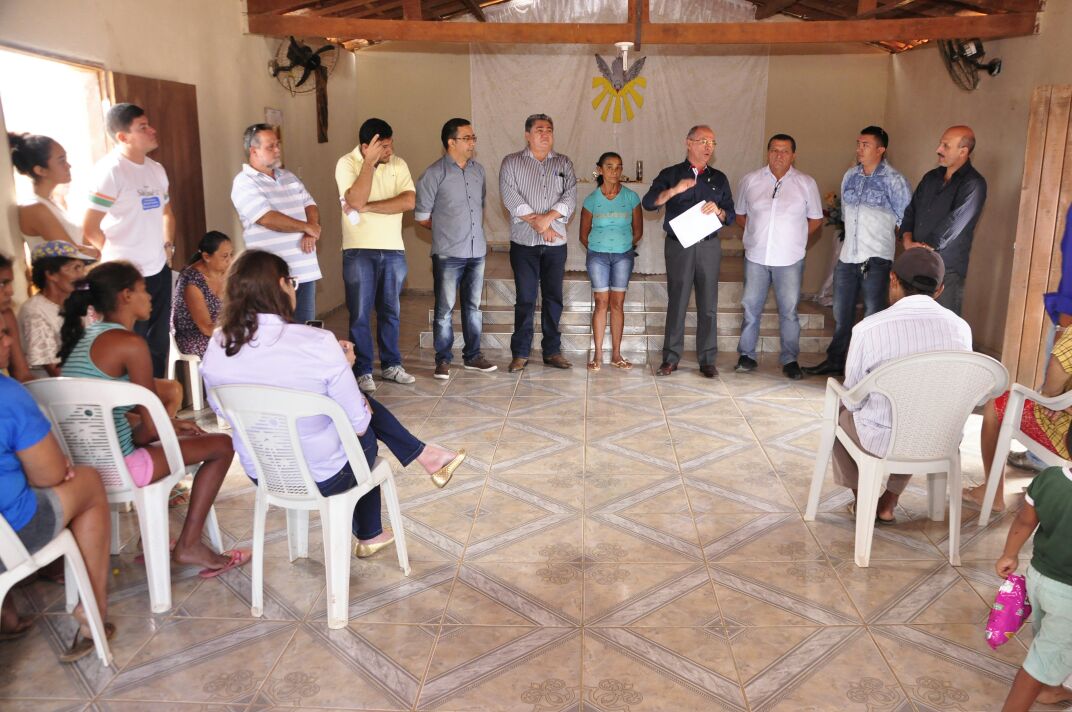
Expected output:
(618, 89)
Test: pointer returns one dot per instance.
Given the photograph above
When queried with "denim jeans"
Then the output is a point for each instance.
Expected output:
(952, 296)
(871, 280)
(157, 328)
(374, 280)
(757, 282)
(305, 303)
(383, 426)
(609, 271)
(450, 273)
(539, 267)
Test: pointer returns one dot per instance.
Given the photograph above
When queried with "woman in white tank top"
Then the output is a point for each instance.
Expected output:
(44, 161)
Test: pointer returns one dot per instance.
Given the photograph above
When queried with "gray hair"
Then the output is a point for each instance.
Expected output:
(249, 138)
(697, 127)
(537, 117)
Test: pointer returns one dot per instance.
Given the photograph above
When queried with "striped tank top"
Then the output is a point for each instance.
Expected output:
(80, 365)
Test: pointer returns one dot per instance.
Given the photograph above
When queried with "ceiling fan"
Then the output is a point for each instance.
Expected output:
(294, 63)
(963, 61)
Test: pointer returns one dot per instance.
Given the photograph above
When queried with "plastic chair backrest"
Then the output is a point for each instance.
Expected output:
(265, 418)
(932, 394)
(12, 551)
(81, 413)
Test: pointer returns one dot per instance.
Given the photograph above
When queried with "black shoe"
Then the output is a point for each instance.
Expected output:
(708, 370)
(826, 368)
(745, 364)
(792, 370)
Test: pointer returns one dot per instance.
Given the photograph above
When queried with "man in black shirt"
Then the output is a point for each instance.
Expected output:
(679, 188)
(944, 210)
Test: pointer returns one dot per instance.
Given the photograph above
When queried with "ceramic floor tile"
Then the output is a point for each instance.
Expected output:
(748, 491)
(556, 456)
(772, 536)
(509, 667)
(904, 541)
(659, 669)
(535, 593)
(381, 593)
(903, 592)
(781, 594)
(815, 668)
(649, 595)
(654, 538)
(461, 430)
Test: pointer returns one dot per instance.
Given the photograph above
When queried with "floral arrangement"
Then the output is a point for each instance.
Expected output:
(832, 212)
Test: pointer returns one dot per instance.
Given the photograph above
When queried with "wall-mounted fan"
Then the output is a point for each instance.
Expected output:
(964, 60)
(295, 63)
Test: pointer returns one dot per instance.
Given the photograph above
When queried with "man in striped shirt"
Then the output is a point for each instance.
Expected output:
(278, 215)
(539, 190)
(913, 323)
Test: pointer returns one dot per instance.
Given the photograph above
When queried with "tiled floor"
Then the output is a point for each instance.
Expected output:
(614, 542)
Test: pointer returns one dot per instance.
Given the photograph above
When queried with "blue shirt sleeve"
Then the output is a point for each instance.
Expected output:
(24, 425)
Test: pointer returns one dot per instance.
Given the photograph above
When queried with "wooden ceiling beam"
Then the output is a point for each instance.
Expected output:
(865, 6)
(884, 9)
(817, 32)
(773, 7)
(475, 10)
(411, 10)
(275, 7)
(1001, 5)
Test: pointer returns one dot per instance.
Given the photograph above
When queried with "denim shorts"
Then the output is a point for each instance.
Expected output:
(46, 523)
(1049, 659)
(609, 270)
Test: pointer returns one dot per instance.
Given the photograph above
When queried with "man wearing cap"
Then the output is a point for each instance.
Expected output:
(55, 267)
(914, 323)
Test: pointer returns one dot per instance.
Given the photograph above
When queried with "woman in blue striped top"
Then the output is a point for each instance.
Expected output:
(110, 350)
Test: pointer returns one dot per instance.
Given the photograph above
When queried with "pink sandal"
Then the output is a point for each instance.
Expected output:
(239, 557)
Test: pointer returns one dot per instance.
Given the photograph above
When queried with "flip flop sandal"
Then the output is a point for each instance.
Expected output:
(180, 494)
(82, 646)
(851, 508)
(622, 364)
(21, 629)
(593, 365)
(239, 557)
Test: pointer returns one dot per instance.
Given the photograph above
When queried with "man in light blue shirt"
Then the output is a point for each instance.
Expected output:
(873, 200)
(450, 202)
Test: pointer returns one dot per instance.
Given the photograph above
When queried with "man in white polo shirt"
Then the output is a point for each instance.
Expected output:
(781, 213)
(129, 218)
(278, 214)
(375, 187)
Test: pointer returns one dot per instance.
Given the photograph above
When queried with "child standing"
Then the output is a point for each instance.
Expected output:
(1048, 505)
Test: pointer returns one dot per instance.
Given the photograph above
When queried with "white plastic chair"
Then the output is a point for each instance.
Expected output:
(1010, 430)
(265, 418)
(20, 563)
(193, 369)
(931, 395)
(81, 413)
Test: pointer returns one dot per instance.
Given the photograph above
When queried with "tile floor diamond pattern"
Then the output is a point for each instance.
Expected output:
(615, 542)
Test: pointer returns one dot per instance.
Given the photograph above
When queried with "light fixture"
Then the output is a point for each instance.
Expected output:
(623, 52)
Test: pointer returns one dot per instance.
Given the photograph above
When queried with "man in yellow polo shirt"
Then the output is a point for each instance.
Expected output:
(375, 187)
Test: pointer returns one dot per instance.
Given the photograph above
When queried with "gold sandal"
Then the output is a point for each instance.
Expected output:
(442, 476)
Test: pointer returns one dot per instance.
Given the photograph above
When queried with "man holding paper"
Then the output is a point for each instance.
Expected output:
(694, 255)
(781, 213)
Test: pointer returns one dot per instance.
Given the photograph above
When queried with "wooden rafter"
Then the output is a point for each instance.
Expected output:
(475, 10)
(886, 9)
(870, 30)
(773, 7)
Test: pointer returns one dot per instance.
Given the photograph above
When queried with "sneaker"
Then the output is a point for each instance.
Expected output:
(442, 371)
(397, 374)
(745, 364)
(480, 364)
(1025, 461)
(792, 371)
(366, 384)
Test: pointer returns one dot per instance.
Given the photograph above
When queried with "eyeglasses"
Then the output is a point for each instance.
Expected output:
(467, 139)
(292, 281)
(704, 142)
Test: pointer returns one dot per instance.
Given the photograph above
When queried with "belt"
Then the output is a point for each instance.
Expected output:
(712, 236)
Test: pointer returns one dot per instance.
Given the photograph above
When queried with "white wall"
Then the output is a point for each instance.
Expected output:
(923, 102)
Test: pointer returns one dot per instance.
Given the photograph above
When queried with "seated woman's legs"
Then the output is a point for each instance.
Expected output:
(215, 452)
(87, 515)
(367, 524)
(401, 442)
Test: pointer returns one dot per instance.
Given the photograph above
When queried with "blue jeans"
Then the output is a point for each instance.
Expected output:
(374, 280)
(305, 303)
(540, 267)
(871, 280)
(449, 273)
(757, 282)
(609, 270)
(157, 328)
(383, 426)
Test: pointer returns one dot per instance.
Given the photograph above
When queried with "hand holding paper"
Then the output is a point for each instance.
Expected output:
(695, 224)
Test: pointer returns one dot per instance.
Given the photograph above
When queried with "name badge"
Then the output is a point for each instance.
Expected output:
(150, 203)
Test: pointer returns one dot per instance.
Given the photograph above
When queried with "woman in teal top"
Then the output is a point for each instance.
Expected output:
(611, 226)
(111, 351)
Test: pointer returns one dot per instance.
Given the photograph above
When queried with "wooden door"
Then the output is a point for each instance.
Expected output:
(1045, 195)
(172, 111)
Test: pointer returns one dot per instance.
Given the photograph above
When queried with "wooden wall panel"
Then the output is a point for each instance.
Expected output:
(172, 111)
(1045, 194)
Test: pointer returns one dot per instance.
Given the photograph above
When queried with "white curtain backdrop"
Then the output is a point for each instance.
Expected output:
(685, 85)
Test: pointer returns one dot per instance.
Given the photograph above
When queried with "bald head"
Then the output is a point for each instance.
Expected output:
(955, 146)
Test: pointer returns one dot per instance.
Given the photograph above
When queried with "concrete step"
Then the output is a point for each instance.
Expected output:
(636, 322)
(811, 341)
(641, 295)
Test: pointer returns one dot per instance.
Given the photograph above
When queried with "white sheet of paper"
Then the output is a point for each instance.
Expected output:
(692, 225)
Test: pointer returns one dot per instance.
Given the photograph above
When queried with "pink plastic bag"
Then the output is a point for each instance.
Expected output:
(1011, 608)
